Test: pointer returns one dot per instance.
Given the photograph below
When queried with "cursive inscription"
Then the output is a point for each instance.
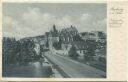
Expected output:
(116, 16)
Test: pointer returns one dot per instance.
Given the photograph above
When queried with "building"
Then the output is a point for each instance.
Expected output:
(99, 39)
(66, 36)
(93, 35)
(37, 49)
(88, 36)
(40, 40)
(81, 47)
(102, 37)
(53, 36)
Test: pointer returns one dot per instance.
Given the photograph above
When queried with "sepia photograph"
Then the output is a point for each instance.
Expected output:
(54, 40)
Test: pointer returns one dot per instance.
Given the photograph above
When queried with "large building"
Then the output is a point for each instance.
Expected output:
(67, 36)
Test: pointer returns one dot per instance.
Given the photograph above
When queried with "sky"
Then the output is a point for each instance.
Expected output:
(32, 19)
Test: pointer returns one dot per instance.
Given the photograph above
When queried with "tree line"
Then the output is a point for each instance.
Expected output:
(18, 52)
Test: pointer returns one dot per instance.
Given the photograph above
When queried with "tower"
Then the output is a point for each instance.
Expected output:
(53, 37)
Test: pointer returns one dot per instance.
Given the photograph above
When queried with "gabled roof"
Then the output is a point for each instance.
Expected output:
(80, 44)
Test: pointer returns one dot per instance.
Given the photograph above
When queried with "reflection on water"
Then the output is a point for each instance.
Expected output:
(34, 69)
(37, 69)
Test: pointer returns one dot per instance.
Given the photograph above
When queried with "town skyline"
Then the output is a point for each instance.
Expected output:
(58, 30)
(59, 46)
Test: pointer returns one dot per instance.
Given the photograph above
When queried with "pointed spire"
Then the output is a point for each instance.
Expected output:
(71, 26)
(54, 27)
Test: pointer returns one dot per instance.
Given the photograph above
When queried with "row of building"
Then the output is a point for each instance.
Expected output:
(70, 36)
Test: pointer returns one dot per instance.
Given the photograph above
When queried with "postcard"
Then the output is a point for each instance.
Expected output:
(63, 41)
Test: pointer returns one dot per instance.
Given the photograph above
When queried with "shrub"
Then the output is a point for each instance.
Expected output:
(72, 52)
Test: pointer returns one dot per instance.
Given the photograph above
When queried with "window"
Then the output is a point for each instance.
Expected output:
(63, 39)
(68, 39)
(71, 39)
(83, 51)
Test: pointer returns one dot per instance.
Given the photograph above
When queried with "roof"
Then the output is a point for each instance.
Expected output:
(69, 31)
(80, 44)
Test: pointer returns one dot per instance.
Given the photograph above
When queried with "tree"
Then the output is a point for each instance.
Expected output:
(57, 45)
(72, 52)
(10, 49)
(90, 51)
(27, 52)
(86, 57)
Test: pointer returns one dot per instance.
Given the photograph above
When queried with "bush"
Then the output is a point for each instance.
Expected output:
(90, 51)
(72, 52)
(57, 45)
(9, 51)
(102, 59)
(88, 57)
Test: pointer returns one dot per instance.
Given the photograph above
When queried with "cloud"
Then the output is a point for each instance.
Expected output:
(85, 16)
(43, 22)
(100, 25)
(14, 28)
(34, 22)
(87, 22)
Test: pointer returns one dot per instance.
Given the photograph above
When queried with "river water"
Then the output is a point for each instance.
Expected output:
(34, 69)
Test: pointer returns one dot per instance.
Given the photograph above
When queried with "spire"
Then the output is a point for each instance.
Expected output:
(54, 27)
(71, 26)
(55, 31)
